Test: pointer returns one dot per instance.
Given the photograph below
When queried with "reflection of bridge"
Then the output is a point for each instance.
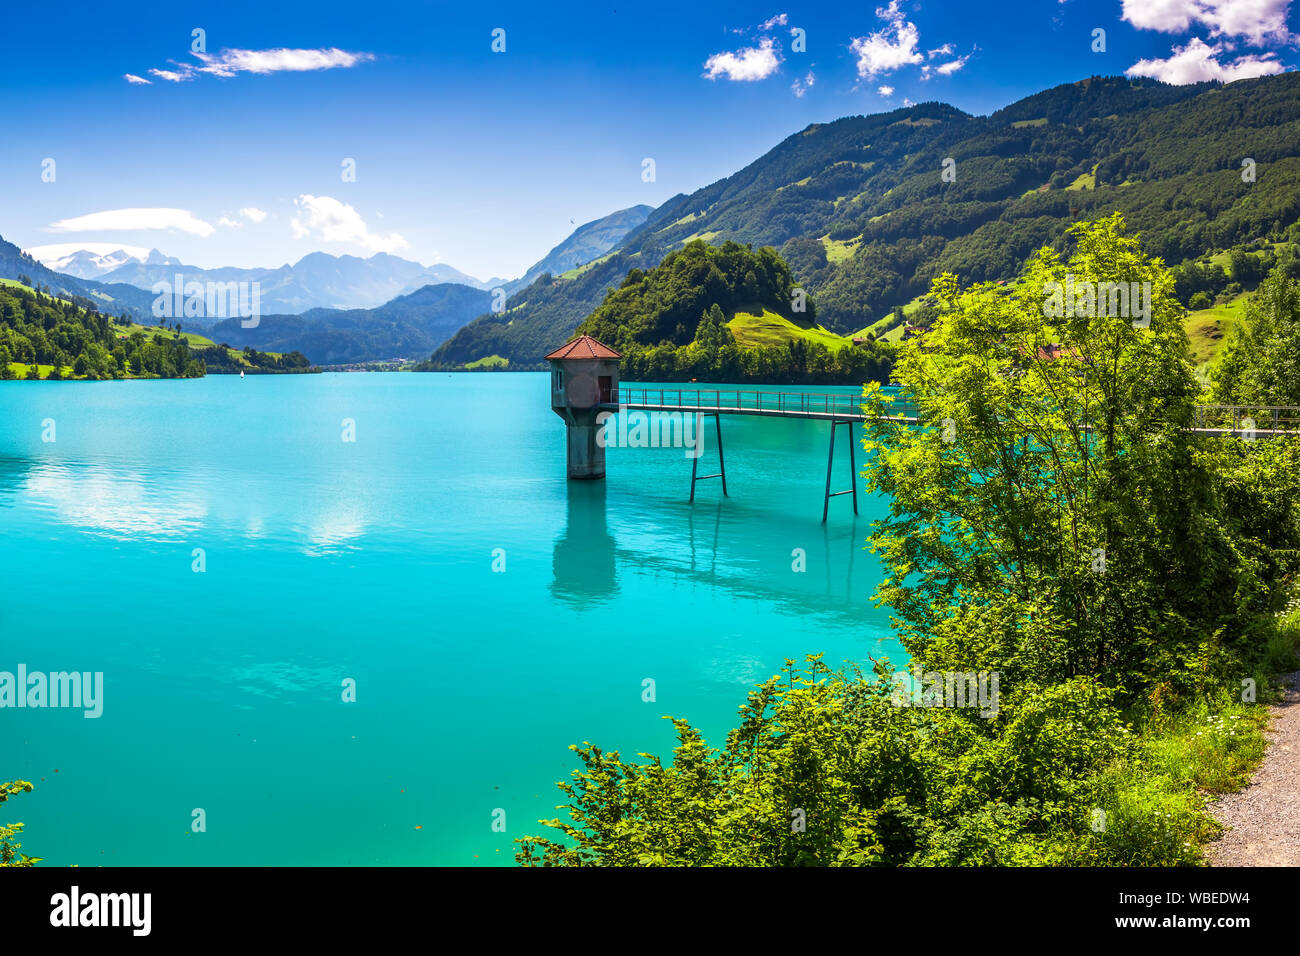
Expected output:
(590, 562)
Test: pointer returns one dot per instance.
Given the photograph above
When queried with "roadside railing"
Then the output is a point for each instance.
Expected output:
(1263, 418)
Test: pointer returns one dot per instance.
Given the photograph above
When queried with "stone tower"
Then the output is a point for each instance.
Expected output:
(584, 376)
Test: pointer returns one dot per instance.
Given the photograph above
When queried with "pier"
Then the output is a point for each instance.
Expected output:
(585, 391)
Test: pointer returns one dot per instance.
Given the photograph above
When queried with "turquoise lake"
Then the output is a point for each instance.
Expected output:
(372, 560)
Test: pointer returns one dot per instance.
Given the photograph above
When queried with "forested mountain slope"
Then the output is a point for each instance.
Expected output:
(864, 214)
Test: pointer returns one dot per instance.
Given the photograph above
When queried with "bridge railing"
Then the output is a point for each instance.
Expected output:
(740, 400)
(1264, 418)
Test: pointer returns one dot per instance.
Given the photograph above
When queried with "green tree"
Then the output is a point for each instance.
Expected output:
(1051, 520)
(1260, 362)
(1054, 475)
(9, 855)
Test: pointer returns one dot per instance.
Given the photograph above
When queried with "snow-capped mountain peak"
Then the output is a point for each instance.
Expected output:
(91, 260)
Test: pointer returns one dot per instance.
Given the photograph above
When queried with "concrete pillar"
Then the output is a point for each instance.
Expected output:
(586, 457)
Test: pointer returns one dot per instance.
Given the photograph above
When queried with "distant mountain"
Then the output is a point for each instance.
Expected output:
(111, 298)
(96, 259)
(860, 211)
(409, 325)
(336, 295)
(585, 244)
(317, 280)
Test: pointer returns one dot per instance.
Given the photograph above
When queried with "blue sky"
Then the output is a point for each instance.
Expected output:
(484, 160)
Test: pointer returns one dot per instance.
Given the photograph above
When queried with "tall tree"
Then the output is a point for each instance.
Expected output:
(1260, 364)
(1052, 498)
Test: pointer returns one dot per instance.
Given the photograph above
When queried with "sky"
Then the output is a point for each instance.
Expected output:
(480, 135)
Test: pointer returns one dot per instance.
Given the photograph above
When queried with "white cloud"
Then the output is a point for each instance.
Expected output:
(336, 221)
(1167, 16)
(801, 87)
(136, 80)
(944, 69)
(111, 219)
(779, 20)
(885, 90)
(889, 48)
(946, 49)
(228, 63)
(251, 213)
(1199, 61)
(174, 76)
(745, 65)
(1259, 21)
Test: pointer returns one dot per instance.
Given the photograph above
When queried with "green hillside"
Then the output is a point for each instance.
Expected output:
(768, 328)
(408, 325)
(858, 209)
(726, 313)
(1208, 328)
(18, 268)
(43, 337)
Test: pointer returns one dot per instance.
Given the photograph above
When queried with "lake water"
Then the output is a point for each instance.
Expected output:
(372, 561)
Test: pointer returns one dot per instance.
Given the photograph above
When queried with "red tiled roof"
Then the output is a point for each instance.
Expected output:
(1053, 351)
(584, 347)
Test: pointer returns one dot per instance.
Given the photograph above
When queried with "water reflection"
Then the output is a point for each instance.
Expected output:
(746, 550)
(583, 556)
(712, 553)
(13, 474)
(115, 504)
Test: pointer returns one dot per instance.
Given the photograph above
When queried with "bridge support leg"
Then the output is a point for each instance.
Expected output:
(853, 476)
(699, 450)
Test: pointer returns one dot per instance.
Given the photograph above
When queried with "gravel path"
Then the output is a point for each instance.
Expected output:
(1263, 820)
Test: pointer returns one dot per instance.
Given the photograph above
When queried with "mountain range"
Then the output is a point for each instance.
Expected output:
(116, 298)
(867, 210)
(335, 309)
(95, 260)
(587, 243)
(323, 281)
(412, 324)
(317, 280)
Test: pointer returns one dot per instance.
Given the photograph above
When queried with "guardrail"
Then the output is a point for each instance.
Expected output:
(740, 400)
(1264, 418)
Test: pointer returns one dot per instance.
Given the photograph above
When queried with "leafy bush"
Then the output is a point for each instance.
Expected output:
(1069, 534)
(9, 855)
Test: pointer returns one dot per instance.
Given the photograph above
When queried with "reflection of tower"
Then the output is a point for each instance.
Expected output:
(583, 557)
(584, 376)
